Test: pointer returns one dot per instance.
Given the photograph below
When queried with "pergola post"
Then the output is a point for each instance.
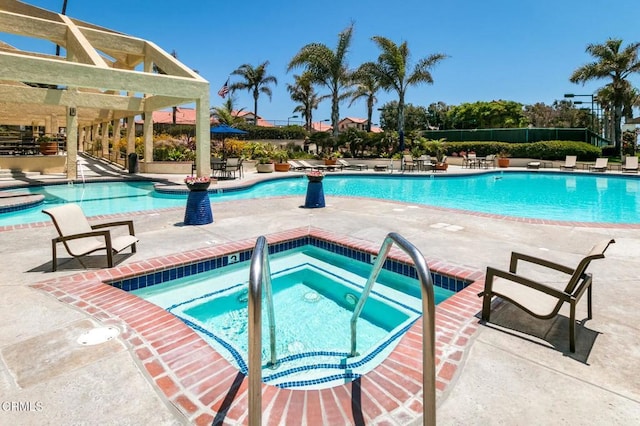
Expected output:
(72, 143)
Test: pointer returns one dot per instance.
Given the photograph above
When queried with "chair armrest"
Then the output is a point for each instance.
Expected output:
(105, 234)
(492, 272)
(538, 261)
(128, 223)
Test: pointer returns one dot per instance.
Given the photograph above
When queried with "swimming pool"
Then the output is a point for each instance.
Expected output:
(578, 197)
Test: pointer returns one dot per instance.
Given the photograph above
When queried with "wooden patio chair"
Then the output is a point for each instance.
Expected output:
(81, 238)
(542, 300)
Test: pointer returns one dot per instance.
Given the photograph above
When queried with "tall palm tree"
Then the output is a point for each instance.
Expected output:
(328, 68)
(303, 92)
(367, 86)
(613, 63)
(256, 81)
(392, 73)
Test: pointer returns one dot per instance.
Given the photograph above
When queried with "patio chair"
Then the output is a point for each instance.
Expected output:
(489, 160)
(569, 162)
(80, 238)
(630, 164)
(408, 163)
(536, 298)
(346, 165)
(232, 166)
(600, 166)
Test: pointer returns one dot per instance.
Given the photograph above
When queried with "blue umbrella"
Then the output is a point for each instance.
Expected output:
(224, 129)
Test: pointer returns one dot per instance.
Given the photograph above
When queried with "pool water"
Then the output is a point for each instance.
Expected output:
(563, 196)
(314, 293)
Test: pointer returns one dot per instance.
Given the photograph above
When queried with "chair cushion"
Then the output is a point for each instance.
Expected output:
(536, 301)
(122, 242)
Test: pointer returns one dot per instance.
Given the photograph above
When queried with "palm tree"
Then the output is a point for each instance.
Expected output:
(367, 86)
(227, 114)
(256, 81)
(391, 72)
(616, 64)
(303, 92)
(328, 68)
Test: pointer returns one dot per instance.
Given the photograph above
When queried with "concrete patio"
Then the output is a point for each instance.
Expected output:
(515, 370)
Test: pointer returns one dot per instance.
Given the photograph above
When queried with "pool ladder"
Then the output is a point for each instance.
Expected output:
(260, 271)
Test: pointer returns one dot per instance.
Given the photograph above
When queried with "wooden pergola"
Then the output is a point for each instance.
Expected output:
(102, 78)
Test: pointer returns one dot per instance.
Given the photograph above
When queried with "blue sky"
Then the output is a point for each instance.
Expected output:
(522, 50)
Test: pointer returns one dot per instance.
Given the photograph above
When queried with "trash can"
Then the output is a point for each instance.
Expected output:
(133, 162)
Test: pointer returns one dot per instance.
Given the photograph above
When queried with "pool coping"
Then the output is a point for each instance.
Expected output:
(206, 388)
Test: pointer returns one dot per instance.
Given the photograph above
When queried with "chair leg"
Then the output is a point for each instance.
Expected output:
(572, 328)
(54, 262)
(589, 310)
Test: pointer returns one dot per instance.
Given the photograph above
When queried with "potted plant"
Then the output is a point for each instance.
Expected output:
(197, 183)
(263, 154)
(330, 158)
(48, 146)
(281, 156)
(503, 158)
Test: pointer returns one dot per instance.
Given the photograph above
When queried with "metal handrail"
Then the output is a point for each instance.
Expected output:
(428, 318)
(259, 273)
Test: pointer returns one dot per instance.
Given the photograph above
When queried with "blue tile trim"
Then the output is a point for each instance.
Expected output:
(141, 281)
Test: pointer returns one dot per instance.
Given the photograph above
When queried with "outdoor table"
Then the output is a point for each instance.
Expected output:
(218, 166)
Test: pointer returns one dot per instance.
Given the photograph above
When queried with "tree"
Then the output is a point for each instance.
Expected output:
(611, 62)
(391, 72)
(437, 116)
(487, 115)
(328, 68)
(303, 92)
(226, 114)
(256, 81)
(415, 117)
(367, 86)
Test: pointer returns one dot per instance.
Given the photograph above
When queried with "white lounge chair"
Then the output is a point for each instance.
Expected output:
(81, 238)
(345, 164)
(630, 164)
(600, 166)
(569, 162)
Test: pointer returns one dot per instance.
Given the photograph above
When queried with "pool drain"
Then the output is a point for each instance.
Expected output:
(351, 299)
(98, 335)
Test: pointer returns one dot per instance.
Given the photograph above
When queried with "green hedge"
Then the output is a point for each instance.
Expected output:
(545, 150)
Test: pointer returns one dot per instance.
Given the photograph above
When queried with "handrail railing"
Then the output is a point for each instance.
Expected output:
(259, 273)
(428, 318)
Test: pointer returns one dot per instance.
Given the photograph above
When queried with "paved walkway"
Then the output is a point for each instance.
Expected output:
(514, 371)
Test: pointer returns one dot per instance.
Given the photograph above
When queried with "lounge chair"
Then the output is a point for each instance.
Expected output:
(569, 162)
(630, 164)
(80, 238)
(295, 165)
(600, 166)
(310, 166)
(345, 164)
(541, 300)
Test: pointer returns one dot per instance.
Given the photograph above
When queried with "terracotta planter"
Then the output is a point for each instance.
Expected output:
(48, 148)
(503, 162)
(442, 166)
(265, 168)
(281, 167)
(330, 162)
